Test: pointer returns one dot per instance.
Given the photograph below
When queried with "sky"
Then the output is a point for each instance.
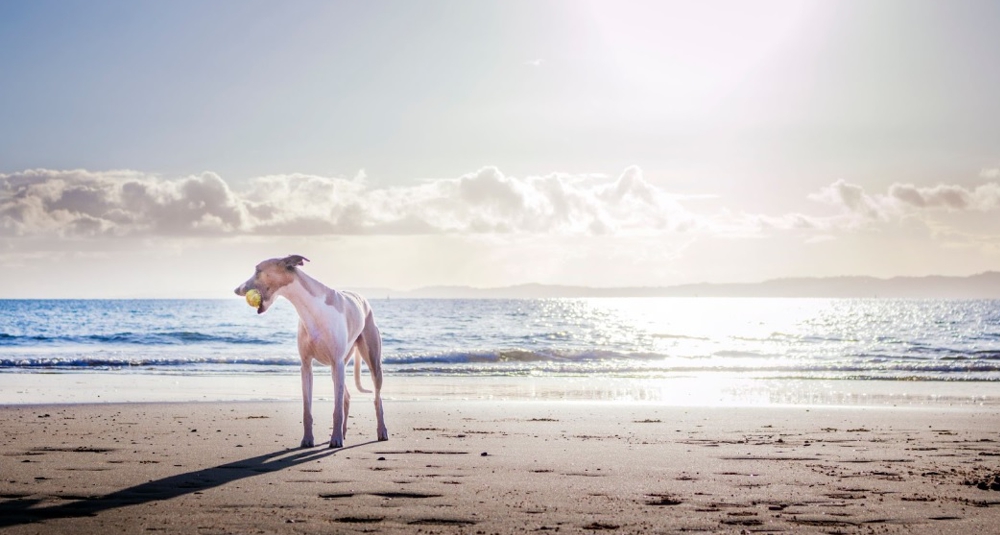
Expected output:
(162, 149)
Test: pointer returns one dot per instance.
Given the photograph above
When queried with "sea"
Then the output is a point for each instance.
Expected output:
(629, 338)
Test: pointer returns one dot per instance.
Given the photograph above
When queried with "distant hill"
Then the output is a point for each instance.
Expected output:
(981, 286)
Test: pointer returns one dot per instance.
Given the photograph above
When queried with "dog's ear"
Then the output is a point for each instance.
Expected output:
(293, 260)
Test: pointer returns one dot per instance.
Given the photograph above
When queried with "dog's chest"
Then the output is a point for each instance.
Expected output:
(326, 333)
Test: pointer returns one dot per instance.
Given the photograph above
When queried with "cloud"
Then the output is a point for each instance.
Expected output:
(81, 203)
(941, 196)
(984, 198)
(116, 203)
(852, 198)
(858, 207)
(78, 203)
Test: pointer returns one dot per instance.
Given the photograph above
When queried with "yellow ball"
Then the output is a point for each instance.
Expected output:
(253, 298)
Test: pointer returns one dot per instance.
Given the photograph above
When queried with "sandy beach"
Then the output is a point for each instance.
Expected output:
(480, 466)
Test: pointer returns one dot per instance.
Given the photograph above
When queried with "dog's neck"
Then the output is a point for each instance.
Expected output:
(306, 294)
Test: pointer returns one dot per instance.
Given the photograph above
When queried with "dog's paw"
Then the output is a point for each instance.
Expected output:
(307, 443)
(383, 433)
(334, 444)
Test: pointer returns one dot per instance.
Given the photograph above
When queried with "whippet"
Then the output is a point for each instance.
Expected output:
(333, 325)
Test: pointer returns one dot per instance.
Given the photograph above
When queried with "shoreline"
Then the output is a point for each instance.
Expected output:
(706, 390)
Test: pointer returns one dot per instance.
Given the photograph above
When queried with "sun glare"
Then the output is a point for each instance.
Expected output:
(688, 57)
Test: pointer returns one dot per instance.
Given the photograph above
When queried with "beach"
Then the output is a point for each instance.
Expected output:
(461, 464)
(638, 267)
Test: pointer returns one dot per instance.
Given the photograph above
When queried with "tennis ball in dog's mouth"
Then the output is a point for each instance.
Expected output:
(253, 298)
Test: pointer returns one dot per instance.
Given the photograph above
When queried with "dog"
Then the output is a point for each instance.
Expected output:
(333, 326)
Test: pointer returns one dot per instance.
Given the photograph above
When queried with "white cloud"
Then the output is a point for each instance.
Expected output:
(859, 208)
(80, 203)
(985, 197)
(115, 203)
(852, 199)
(120, 203)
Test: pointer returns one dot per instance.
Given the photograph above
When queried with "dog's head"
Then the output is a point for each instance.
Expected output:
(270, 277)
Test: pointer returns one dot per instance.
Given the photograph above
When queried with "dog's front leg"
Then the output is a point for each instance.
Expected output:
(339, 395)
(307, 389)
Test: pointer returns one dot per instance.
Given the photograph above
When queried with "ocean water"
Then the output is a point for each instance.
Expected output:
(862, 339)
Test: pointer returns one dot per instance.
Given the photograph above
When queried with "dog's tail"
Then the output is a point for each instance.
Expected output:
(357, 373)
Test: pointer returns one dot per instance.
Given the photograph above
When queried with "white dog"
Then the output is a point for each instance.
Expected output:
(333, 325)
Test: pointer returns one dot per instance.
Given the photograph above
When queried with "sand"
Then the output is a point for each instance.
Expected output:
(480, 466)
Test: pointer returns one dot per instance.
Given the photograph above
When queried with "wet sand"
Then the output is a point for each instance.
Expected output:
(461, 466)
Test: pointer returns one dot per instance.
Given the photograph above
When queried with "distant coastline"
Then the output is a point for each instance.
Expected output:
(981, 286)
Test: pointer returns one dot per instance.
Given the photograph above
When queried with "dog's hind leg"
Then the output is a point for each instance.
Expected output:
(371, 346)
(347, 408)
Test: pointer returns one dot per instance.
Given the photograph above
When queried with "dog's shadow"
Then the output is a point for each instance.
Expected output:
(23, 510)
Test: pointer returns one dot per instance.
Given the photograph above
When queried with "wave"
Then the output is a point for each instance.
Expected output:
(501, 357)
(167, 338)
(69, 363)
(512, 356)
(534, 362)
(679, 336)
